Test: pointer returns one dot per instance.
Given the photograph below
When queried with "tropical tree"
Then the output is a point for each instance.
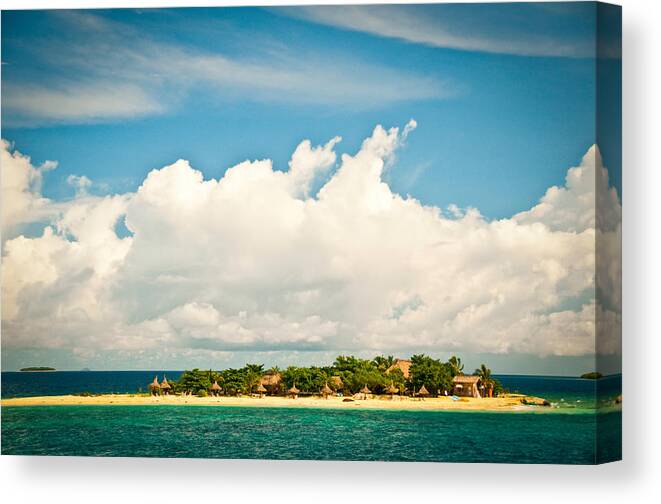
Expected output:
(383, 363)
(307, 379)
(435, 375)
(356, 373)
(485, 376)
(456, 367)
(195, 380)
(396, 377)
(253, 374)
(234, 381)
(273, 370)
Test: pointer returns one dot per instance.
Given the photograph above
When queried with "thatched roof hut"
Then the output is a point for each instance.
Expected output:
(271, 382)
(365, 390)
(423, 391)
(404, 365)
(261, 390)
(392, 389)
(293, 392)
(165, 386)
(336, 382)
(326, 391)
(154, 386)
(215, 388)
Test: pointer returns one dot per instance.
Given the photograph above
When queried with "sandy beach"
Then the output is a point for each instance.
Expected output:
(512, 402)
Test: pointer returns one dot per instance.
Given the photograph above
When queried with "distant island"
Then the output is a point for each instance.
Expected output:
(594, 375)
(37, 368)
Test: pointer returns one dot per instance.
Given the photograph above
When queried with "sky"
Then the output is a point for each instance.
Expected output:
(209, 187)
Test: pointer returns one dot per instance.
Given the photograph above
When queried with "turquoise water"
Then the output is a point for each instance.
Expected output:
(564, 434)
(285, 433)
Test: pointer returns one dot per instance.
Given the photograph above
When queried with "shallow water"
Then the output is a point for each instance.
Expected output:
(285, 433)
(568, 436)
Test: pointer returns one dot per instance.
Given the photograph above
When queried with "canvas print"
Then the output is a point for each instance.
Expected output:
(351, 232)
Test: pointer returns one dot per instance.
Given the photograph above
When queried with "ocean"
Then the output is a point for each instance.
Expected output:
(563, 434)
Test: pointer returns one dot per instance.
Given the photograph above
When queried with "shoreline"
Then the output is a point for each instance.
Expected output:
(508, 403)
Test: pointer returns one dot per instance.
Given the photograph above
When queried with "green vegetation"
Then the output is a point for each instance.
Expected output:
(435, 375)
(38, 368)
(491, 385)
(195, 380)
(355, 373)
(594, 375)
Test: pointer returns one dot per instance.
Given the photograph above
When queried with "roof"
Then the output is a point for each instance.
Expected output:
(326, 389)
(164, 383)
(261, 388)
(271, 379)
(423, 391)
(154, 384)
(365, 390)
(392, 389)
(402, 364)
(337, 382)
(293, 390)
(215, 386)
(466, 379)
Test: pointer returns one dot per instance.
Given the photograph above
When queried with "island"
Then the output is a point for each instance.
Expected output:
(32, 369)
(384, 382)
(594, 375)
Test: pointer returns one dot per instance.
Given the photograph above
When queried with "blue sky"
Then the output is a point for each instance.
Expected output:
(495, 129)
(503, 98)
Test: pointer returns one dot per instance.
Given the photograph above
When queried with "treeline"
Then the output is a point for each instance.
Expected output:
(347, 374)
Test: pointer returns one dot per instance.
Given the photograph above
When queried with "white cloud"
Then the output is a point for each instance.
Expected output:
(573, 206)
(122, 72)
(80, 183)
(446, 28)
(77, 102)
(21, 188)
(253, 261)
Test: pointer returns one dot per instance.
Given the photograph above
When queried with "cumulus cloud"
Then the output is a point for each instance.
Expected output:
(573, 207)
(257, 261)
(21, 188)
(80, 183)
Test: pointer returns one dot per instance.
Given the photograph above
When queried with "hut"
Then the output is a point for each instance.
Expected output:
(423, 392)
(271, 382)
(336, 383)
(365, 391)
(261, 390)
(165, 386)
(154, 387)
(392, 390)
(404, 365)
(466, 386)
(215, 389)
(293, 392)
(326, 391)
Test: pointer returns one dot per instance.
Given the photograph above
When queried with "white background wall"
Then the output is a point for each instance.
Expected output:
(636, 479)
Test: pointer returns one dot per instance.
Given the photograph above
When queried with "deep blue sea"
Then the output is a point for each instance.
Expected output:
(565, 434)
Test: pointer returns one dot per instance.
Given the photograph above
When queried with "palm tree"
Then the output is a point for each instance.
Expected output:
(254, 374)
(456, 366)
(485, 376)
(383, 363)
(273, 370)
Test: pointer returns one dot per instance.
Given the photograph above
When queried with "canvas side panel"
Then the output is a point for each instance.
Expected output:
(608, 257)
